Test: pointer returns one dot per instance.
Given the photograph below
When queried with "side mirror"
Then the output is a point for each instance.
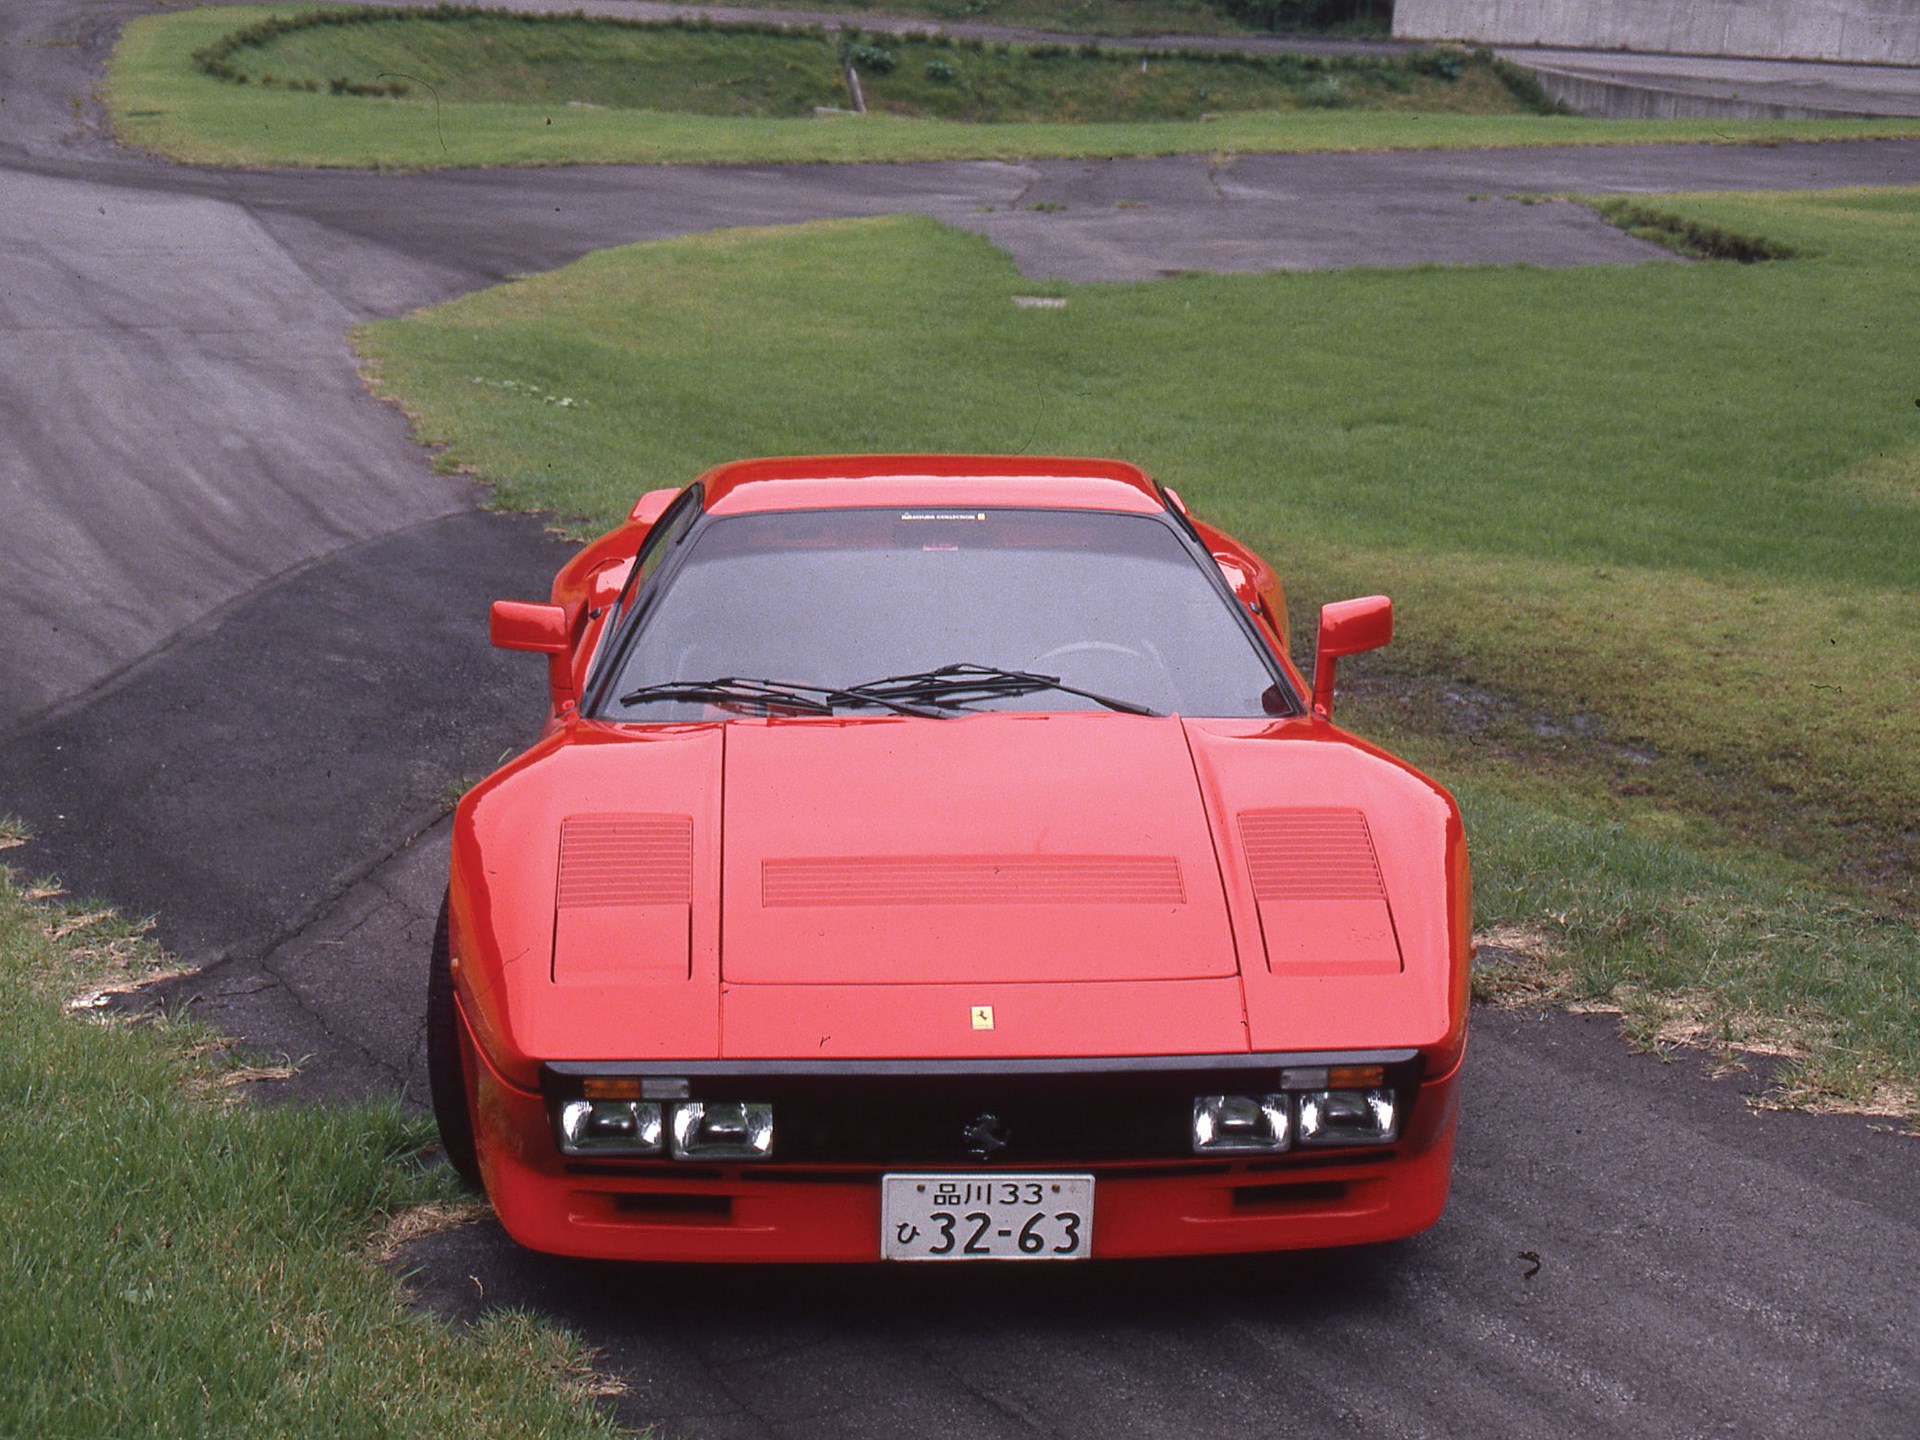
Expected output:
(651, 506)
(524, 625)
(1347, 627)
(545, 630)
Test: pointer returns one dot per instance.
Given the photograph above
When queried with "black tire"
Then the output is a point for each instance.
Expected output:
(446, 1077)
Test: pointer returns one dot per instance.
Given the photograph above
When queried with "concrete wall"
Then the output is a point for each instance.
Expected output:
(1885, 32)
(1636, 100)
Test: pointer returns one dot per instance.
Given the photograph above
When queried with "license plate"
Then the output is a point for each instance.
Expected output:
(985, 1217)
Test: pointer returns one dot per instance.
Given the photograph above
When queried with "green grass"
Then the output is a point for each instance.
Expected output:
(160, 101)
(1670, 514)
(1694, 239)
(486, 57)
(1730, 953)
(1076, 17)
(175, 1265)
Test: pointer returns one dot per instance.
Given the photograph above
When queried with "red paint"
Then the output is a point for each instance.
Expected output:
(523, 625)
(961, 792)
(1251, 579)
(1347, 627)
(821, 481)
(651, 506)
(853, 888)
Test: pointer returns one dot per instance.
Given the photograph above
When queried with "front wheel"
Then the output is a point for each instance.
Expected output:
(446, 1076)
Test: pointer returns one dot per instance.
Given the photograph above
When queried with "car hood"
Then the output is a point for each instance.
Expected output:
(1077, 884)
(994, 849)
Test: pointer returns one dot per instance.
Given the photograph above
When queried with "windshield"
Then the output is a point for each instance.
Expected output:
(1113, 606)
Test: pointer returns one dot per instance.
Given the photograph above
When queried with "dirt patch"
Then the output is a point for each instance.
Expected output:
(1525, 967)
(405, 1227)
(1691, 238)
(1520, 966)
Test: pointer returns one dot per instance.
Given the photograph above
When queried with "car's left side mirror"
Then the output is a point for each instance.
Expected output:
(1347, 627)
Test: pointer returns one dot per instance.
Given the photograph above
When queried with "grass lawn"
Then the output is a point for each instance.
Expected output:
(178, 1265)
(1078, 17)
(702, 69)
(541, 109)
(1666, 515)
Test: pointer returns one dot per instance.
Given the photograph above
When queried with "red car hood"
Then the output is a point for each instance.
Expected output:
(1000, 849)
(1001, 884)
(997, 885)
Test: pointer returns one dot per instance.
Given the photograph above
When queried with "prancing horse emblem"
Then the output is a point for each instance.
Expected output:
(986, 1136)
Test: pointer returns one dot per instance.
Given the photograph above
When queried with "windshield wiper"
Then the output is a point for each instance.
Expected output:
(770, 695)
(963, 684)
(930, 694)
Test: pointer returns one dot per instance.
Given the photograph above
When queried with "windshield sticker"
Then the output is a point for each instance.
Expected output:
(943, 515)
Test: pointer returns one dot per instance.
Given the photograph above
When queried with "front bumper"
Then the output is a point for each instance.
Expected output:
(799, 1212)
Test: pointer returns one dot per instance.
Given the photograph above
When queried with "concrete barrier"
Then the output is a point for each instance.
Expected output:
(1885, 32)
(1610, 99)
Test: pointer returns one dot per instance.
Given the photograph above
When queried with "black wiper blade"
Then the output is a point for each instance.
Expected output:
(732, 690)
(965, 683)
(769, 695)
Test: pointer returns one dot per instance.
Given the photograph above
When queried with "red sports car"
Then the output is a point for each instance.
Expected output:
(939, 858)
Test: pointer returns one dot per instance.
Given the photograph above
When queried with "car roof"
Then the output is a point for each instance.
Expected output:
(828, 482)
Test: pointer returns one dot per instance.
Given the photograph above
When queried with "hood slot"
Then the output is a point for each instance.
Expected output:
(973, 880)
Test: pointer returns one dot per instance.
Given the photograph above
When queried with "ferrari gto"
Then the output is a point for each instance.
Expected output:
(939, 858)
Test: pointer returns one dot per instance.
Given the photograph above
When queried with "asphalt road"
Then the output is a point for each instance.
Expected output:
(244, 659)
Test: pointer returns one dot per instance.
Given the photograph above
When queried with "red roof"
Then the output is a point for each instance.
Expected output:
(822, 482)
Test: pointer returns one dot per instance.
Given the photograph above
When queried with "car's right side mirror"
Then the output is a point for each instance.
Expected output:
(527, 625)
(545, 630)
(1347, 627)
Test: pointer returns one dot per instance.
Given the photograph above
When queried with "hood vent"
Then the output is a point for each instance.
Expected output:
(1323, 905)
(624, 904)
(1310, 855)
(973, 880)
(626, 860)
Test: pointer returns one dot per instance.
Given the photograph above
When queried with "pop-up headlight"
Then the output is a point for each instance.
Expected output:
(1347, 1117)
(722, 1130)
(1232, 1124)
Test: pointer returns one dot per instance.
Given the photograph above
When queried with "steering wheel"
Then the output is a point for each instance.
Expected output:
(1087, 647)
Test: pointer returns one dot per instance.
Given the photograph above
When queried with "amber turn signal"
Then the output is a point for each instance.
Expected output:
(1355, 1077)
(627, 1088)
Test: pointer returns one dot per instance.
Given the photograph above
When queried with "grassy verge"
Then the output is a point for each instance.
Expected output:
(1692, 238)
(1611, 908)
(159, 101)
(1669, 514)
(1074, 17)
(182, 1266)
(699, 68)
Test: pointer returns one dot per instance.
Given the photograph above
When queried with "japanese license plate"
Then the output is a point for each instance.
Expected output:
(985, 1217)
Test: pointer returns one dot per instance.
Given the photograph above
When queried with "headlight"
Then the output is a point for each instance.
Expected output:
(722, 1130)
(1228, 1124)
(610, 1127)
(610, 1120)
(1347, 1117)
(1317, 1105)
